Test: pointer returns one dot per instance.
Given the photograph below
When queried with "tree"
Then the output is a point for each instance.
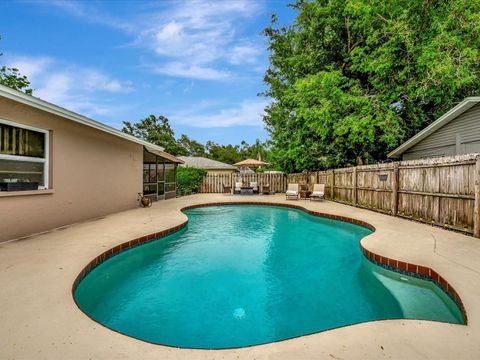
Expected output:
(156, 130)
(192, 147)
(258, 150)
(353, 79)
(228, 154)
(12, 78)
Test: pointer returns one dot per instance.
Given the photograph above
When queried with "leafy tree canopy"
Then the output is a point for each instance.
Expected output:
(12, 78)
(157, 130)
(228, 154)
(231, 154)
(192, 147)
(352, 79)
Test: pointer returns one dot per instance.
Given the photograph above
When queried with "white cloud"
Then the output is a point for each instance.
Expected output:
(29, 66)
(94, 80)
(73, 87)
(191, 71)
(188, 36)
(89, 13)
(248, 113)
(199, 36)
(241, 54)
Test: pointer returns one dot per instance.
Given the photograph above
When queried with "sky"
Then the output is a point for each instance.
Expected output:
(199, 63)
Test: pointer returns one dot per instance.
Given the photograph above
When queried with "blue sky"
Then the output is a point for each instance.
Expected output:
(200, 63)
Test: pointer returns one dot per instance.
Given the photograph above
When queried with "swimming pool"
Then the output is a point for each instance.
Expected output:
(241, 275)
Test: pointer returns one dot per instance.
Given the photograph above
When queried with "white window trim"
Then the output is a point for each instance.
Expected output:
(46, 166)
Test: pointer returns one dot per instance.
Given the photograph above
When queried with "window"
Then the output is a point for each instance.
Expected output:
(160, 176)
(23, 157)
(170, 177)
(149, 178)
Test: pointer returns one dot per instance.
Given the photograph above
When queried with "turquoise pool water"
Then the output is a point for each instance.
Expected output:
(241, 275)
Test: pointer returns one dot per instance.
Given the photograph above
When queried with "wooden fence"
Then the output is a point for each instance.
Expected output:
(214, 183)
(440, 191)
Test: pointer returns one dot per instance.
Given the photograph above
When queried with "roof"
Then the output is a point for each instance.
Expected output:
(205, 163)
(437, 124)
(40, 104)
(164, 155)
(251, 162)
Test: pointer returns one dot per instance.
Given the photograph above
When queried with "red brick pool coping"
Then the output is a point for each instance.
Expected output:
(391, 264)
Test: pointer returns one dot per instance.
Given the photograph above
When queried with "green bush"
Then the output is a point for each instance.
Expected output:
(189, 179)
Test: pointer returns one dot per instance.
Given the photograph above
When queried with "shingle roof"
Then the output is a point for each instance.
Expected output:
(205, 163)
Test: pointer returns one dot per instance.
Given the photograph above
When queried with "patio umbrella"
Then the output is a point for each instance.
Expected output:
(250, 163)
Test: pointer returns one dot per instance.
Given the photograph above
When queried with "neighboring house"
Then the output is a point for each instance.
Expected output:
(212, 166)
(73, 167)
(455, 133)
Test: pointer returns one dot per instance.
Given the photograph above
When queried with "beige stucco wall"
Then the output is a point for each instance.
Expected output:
(92, 174)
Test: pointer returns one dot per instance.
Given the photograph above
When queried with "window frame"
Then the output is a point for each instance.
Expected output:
(45, 161)
(174, 177)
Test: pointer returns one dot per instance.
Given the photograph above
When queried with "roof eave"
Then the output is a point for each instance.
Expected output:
(164, 155)
(440, 122)
(43, 105)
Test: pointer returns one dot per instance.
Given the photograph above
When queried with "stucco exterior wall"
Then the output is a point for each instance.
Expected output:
(92, 174)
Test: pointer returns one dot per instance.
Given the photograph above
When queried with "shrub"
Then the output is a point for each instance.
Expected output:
(189, 179)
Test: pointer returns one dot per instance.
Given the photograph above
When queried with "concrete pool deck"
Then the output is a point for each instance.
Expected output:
(40, 320)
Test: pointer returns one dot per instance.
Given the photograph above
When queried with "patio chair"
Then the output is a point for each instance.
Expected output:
(318, 192)
(292, 192)
(254, 185)
(238, 187)
(266, 189)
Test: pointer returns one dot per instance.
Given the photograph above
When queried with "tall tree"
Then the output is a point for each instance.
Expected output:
(156, 130)
(11, 77)
(192, 147)
(228, 154)
(259, 150)
(352, 79)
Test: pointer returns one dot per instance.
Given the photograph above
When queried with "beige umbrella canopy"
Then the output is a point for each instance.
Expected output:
(250, 163)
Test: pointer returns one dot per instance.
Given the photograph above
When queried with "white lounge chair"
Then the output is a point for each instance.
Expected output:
(238, 187)
(318, 192)
(292, 192)
(254, 185)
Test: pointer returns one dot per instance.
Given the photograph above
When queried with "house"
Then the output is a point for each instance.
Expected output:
(212, 166)
(58, 167)
(457, 132)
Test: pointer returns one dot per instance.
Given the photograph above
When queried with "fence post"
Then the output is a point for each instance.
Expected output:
(354, 188)
(476, 207)
(332, 184)
(395, 188)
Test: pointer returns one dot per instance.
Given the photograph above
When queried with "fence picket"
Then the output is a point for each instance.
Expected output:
(442, 191)
(214, 183)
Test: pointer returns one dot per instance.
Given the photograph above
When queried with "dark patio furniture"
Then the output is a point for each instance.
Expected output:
(305, 194)
(246, 190)
(266, 190)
